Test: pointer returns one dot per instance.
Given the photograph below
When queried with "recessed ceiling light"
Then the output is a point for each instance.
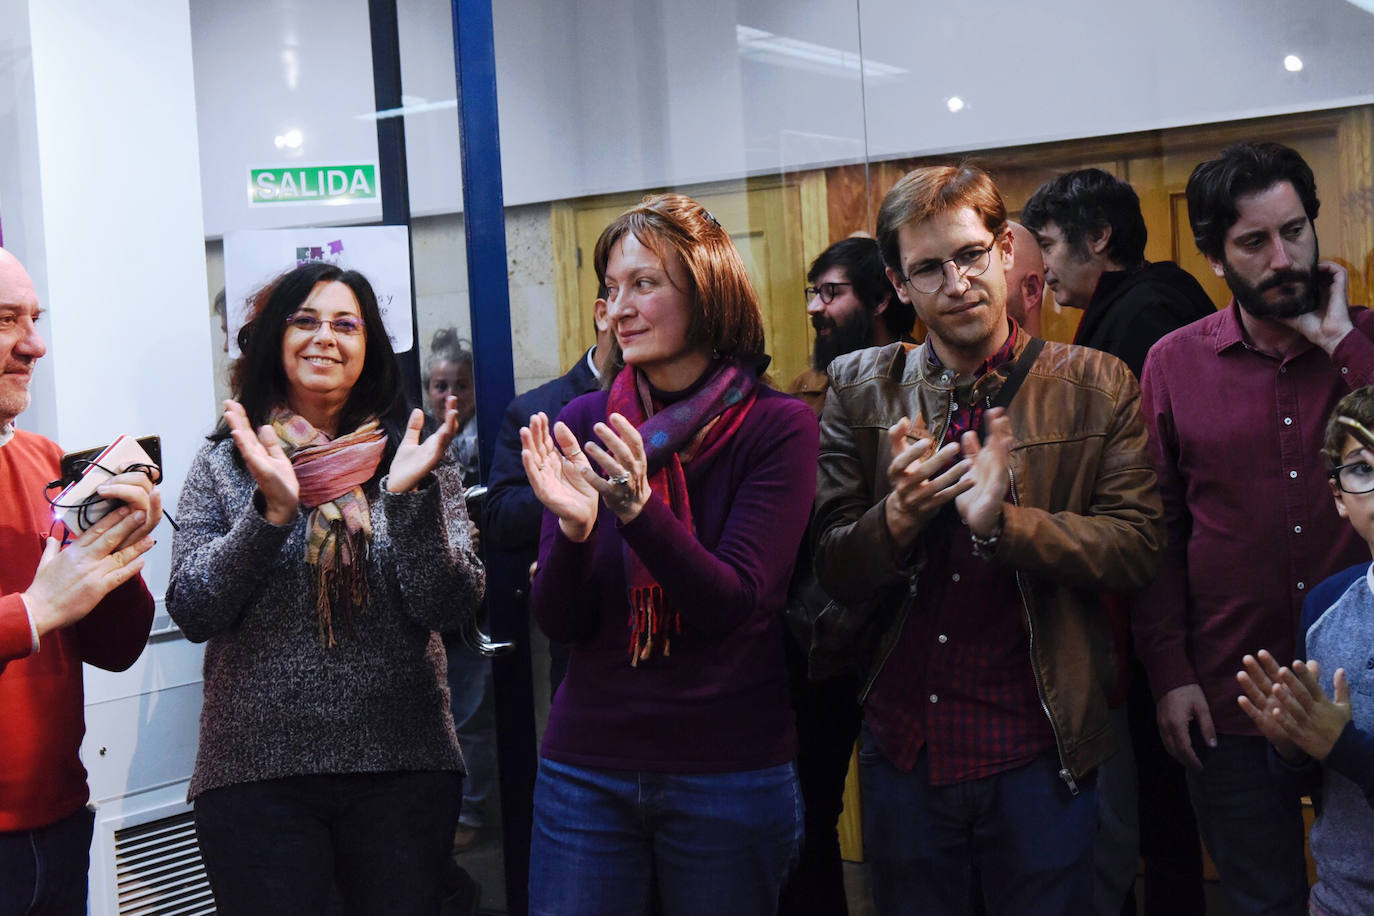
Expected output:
(292, 139)
(954, 103)
(1292, 63)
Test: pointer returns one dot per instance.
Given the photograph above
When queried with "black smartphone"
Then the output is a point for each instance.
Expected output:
(74, 464)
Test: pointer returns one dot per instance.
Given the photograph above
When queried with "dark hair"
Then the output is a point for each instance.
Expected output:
(1242, 168)
(863, 264)
(446, 346)
(1358, 405)
(931, 190)
(1083, 201)
(258, 378)
(725, 309)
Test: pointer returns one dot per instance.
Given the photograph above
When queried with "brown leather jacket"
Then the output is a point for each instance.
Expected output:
(1085, 517)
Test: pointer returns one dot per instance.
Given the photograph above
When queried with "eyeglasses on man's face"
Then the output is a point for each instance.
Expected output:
(827, 291)
(344, 327)
(1354, 478)
(928, 276)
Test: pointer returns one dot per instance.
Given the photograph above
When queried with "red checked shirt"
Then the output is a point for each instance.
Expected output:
(959, 681)
(1236, 436)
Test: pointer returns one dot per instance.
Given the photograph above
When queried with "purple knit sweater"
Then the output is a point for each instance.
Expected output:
(719, 702)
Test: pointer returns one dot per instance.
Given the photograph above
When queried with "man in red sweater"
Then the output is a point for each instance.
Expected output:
(58, 607)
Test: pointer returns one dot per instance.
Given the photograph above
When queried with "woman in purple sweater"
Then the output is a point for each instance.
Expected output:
(676, 502)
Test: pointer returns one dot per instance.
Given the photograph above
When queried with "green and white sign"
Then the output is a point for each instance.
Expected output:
(313, 184)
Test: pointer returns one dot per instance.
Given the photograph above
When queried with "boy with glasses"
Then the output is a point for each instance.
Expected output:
(1318, 714)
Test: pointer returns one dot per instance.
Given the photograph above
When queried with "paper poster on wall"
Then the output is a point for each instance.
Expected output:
(252, 257)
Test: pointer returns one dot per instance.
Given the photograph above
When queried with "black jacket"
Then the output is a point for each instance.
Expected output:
(512, 515)
(1131, 310)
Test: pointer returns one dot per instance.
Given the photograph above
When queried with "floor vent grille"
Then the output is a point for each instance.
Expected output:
(158, 869)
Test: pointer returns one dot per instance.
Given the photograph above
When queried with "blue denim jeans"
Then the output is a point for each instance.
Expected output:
(276, 846)
(1019, 840)
(1252, 826)
(610, 842)
(43, 871)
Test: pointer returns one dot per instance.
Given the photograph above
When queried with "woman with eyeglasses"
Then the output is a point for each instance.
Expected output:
(676, 500)
(322, 546)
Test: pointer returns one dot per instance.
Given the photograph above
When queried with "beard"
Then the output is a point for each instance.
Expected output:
(1251, 298)
(854, 334)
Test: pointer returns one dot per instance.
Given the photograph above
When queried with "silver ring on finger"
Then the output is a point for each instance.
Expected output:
(620, 480)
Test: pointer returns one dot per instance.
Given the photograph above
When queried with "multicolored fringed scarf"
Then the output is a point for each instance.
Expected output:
(690, 430)
(331, 473)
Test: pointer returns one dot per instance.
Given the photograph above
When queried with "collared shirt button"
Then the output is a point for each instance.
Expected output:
(1293, 474)
(1283, 370)
(942, 638)
(1297, 529)
(1287, 421)
(1301, 586)
(934, 698)
(955, 577)
(1345, 370)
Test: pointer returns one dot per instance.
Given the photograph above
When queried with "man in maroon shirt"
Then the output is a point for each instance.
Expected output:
(974, 495)
(1235, 405)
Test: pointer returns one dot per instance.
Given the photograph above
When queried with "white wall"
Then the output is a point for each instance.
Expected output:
(100, 195)
(609, 95)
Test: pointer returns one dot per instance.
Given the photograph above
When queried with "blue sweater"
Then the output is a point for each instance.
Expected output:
(1338, 629)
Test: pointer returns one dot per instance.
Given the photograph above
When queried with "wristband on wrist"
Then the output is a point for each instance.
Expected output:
(33, 627)
(985, 548)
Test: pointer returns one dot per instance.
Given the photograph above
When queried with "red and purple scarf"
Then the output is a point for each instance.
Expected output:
(689, 430)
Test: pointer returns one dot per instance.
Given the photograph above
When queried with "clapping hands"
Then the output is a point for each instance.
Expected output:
(415, 459)
(267, 462)
(1289, 706)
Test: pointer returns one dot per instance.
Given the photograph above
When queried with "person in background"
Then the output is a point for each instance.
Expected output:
(322, 546)
(60, 607)
(666, 780)
(1025, 280)
(513, 512)
(852, 306)
(1091, 234)
(1235, 405)
(1089, 227)
(1318, 714)
(448, 373)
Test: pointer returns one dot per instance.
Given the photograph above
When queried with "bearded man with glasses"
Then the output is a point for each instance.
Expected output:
(975, 495)
(851, 306)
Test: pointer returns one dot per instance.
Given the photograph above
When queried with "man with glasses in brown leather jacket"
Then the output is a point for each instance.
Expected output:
(975, 494)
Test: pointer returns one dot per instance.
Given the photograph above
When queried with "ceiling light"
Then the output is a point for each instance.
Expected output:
(954, 103)
(292, 139)
(1292, 63)
(765, 47)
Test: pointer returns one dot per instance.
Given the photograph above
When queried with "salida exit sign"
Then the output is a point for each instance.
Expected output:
(313, 184)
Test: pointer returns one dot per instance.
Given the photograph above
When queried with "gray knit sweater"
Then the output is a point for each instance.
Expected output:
(277, 702)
